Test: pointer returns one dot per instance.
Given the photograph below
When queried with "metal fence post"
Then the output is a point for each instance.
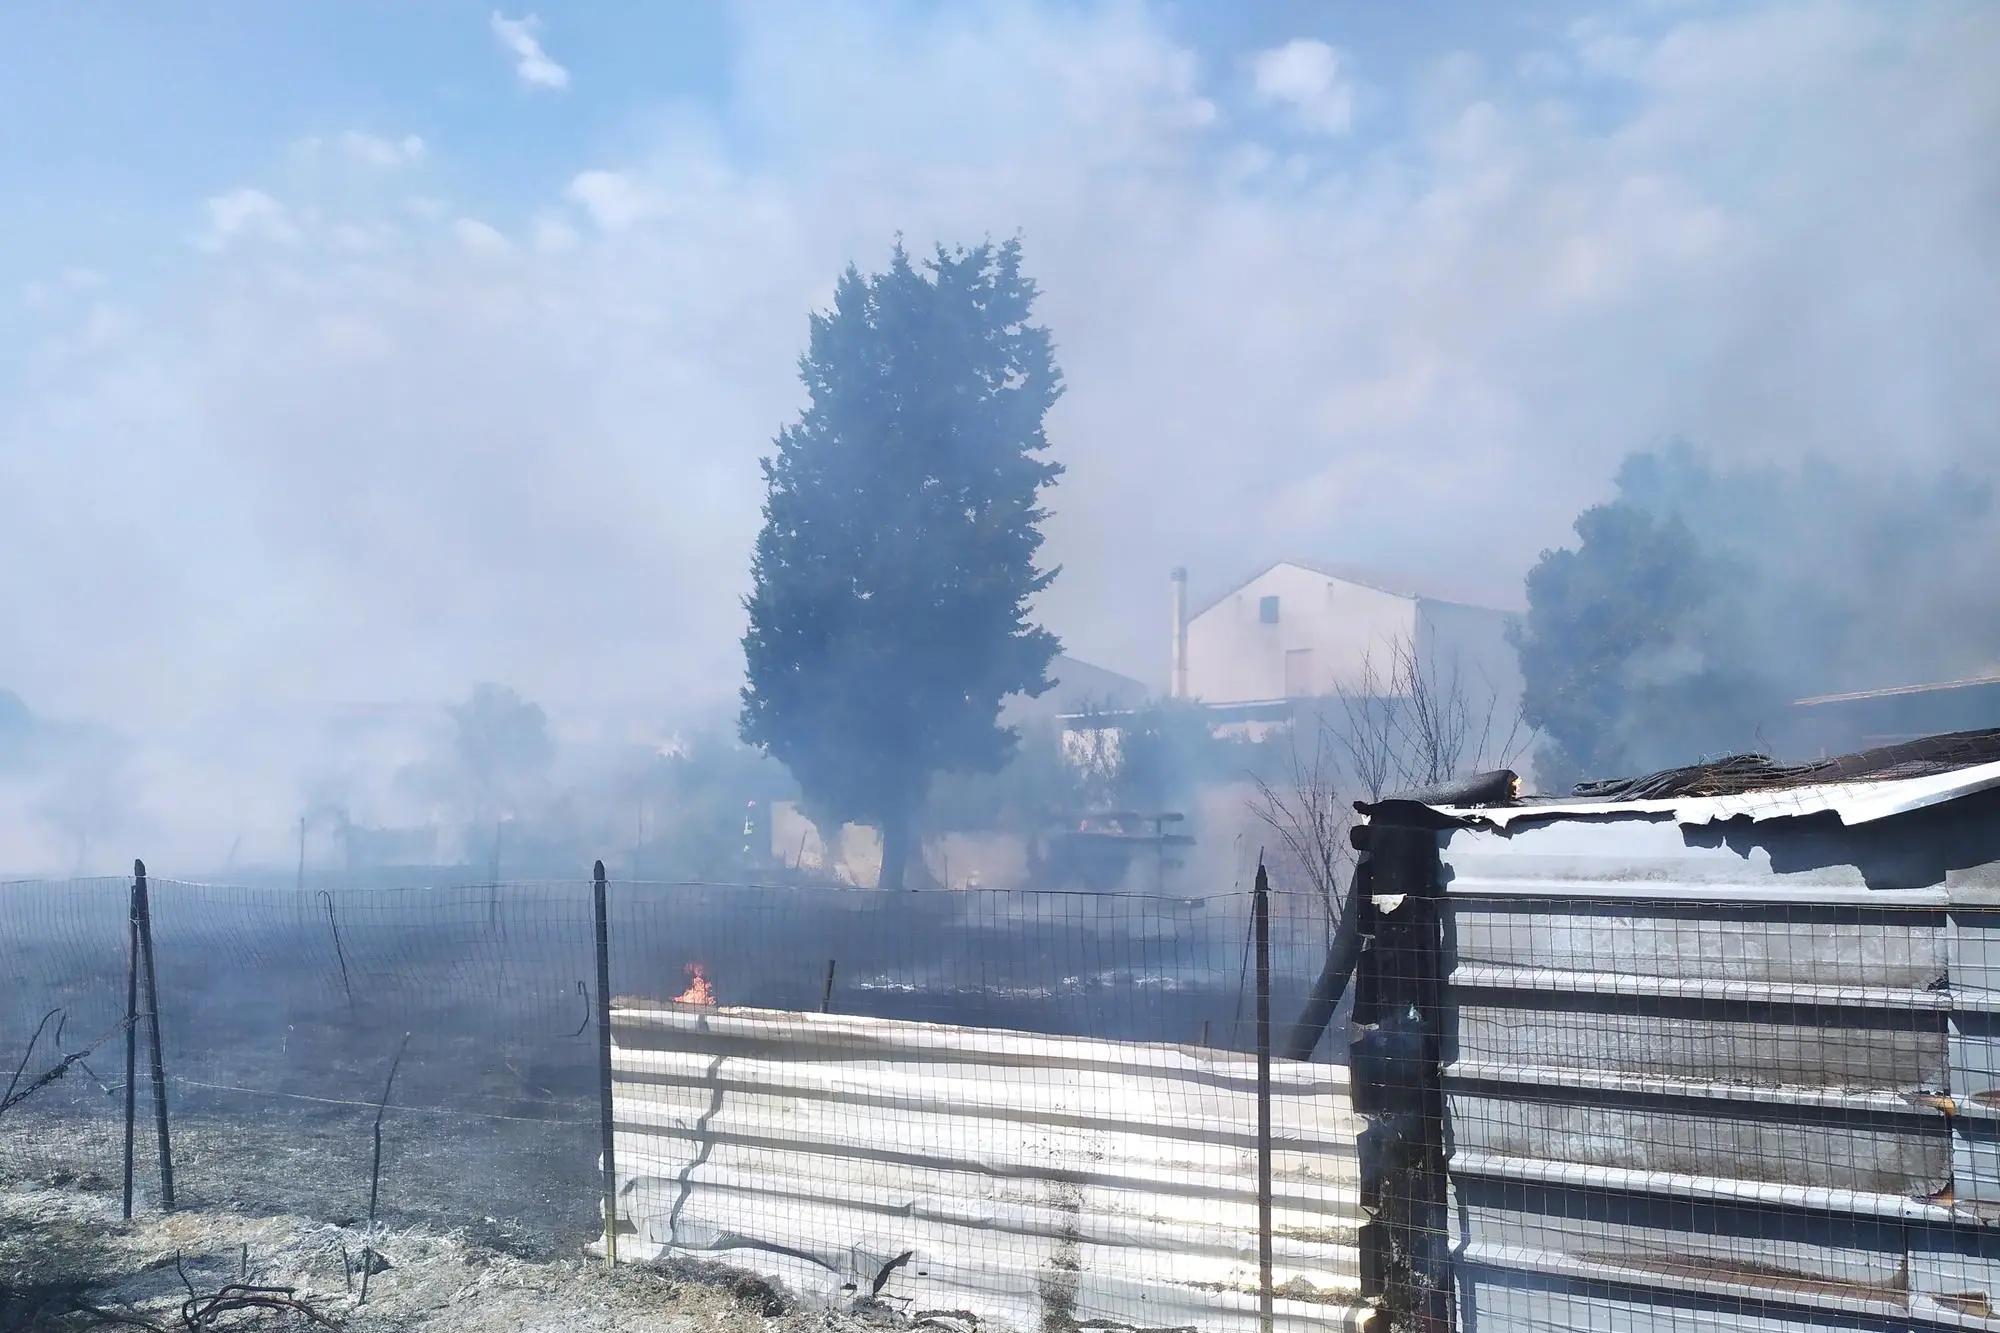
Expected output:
(605, 1121)
(1260, 916)
(142, 913)
(131, 1044)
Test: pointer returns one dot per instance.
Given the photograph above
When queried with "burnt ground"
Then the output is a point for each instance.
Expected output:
(67, 1261)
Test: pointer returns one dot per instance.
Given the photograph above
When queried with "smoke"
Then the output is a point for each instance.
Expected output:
(1710, 595)
(1839, 576)
(318, 430)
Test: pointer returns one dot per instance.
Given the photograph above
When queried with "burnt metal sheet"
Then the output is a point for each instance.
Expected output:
(1886, 951)
(1975, 1065)
(1771, 1047)
(1882, 1154)
(1538, 1292)
(1973, 950)
(1741, 1076)
(1650, 1231)
(1853, 803)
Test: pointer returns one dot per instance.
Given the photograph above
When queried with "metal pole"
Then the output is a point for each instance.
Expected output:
(1260, 913)
(604, 1063)
(493, 879)
(131, 1048)
(826, 994)
(143, 910)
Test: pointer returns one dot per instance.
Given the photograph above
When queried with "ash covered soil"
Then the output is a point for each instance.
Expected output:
(68, 1262)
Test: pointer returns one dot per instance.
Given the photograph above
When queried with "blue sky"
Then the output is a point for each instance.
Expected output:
(123, 118)
(368, 350)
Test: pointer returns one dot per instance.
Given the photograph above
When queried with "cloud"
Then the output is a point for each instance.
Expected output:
(615, 200)
(531, 64)
(479, 238)
(1305, 76)
(372, 151)
(397, 469)
(552, 235)
(246, 213)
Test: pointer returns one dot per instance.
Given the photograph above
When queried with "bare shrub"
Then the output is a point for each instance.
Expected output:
(1412, 722)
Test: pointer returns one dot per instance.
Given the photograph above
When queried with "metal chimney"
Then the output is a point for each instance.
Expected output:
(1179, 687)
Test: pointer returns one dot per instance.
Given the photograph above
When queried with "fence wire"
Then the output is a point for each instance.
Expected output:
(1626, 1071)
(1668, 1111)
(1033, 1104)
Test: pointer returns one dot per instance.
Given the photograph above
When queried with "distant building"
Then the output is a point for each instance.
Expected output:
(1302, 629)
(1079, 688)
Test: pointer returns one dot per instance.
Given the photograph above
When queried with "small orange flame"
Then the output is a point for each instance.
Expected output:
(698, 991)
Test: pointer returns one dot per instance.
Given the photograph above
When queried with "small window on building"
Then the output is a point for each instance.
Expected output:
(1267, 610)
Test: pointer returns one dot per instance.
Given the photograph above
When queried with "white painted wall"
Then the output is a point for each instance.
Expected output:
(1233, 658)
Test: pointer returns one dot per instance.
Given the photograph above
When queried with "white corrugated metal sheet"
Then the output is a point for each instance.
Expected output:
(1034, 1181)
(1703, 1077)
(1854, 802)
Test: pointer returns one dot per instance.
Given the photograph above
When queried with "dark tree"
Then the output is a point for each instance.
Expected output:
(500, 750)
(893, 575)
(1630, 653)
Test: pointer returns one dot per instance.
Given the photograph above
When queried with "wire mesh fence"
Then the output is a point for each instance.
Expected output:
(1620, 1070)
(1741, 1110)
(1587, 1073)
(1010, 1101)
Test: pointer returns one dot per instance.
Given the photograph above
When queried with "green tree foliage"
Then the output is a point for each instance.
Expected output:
(902, 521)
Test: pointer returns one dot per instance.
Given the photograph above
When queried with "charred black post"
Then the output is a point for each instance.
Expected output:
(604, 1115)
(142, 912)
(339, 953)
(375, 1169)
(826, 994)
(131, 1048)
(1397, 1079)
(1260, 915)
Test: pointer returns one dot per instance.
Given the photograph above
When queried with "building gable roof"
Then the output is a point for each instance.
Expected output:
(1394, 585)
(1076, 686)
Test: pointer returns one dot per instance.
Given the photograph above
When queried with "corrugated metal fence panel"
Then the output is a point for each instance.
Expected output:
(1718, 1078)
(1028, 1179)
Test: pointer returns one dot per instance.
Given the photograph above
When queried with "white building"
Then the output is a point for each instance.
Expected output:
(1304, 629)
